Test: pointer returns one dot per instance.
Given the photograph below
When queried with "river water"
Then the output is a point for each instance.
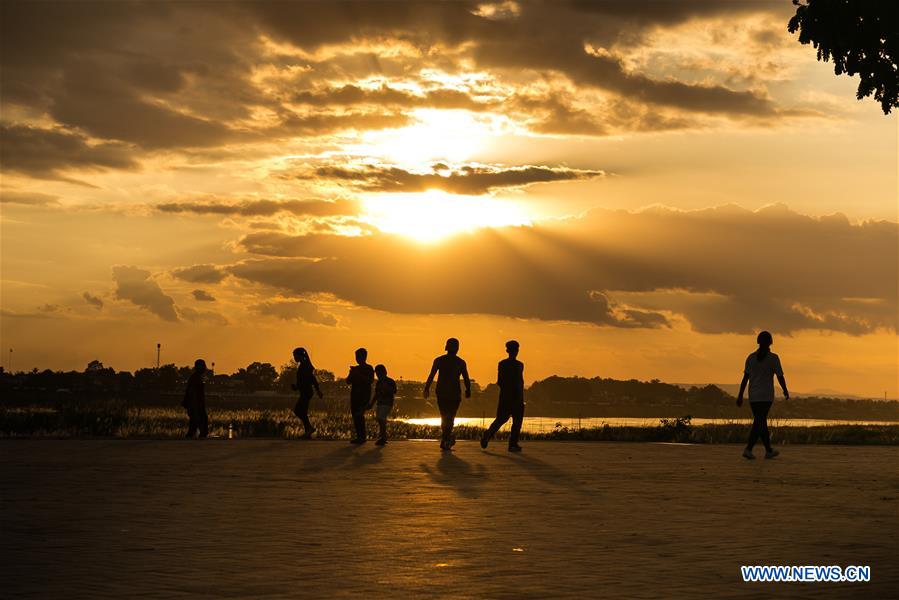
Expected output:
(547, 424)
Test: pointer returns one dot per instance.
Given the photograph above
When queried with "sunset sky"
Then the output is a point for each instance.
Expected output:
(630, 189)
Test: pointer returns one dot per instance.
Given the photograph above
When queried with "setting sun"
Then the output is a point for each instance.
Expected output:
(434, 215)
(450, 135)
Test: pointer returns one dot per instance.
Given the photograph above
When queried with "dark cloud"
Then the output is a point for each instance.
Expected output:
(200, 274)
(295, 310)
(558, 113)
(94, 301)
(164, 76)
(28, 198)
(137, 72)
(109, 109)
(539, 36)
(47, 152)
(666, 13)
(320, 123)
(386, 96)
(202, 316)
(312, 25)
(266, 225)
(614, 313)
(135, 285)
(607, 72)
(723, 270)
(466, 180)
(203, 296)
(263, 208)
(12, 314)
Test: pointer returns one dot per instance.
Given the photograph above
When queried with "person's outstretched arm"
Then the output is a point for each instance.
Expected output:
(742, 389)
(466, 380)
(430, 379)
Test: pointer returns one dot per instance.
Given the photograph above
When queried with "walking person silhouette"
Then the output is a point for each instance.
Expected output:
(761, 367)
(449, 396)
(510, 379)
(306, 383)
(360, 378)
(385, 390)
(195, 402)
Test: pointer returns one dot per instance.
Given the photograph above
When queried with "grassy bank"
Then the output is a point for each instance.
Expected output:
(110, 419)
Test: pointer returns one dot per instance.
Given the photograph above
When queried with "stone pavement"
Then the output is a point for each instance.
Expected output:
(275, 518)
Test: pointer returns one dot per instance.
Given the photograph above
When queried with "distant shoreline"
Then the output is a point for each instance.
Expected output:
(115, 421)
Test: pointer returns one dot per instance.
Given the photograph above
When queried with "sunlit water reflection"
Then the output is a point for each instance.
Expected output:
(547, 424)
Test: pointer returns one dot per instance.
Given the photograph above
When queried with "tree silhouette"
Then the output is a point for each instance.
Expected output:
(287, 376)
(860, 37)
(94, 366)
(258, 376)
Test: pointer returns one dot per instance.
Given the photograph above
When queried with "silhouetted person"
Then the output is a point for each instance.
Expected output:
(385, 390)
(510, 379)
(195, 402)
(449, 395)
(761, 367)
(306, 383)
(360, 379)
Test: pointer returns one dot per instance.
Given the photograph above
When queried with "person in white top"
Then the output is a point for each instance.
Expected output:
(759, 372)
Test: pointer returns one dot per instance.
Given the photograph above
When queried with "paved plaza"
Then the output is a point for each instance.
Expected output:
(275, 518)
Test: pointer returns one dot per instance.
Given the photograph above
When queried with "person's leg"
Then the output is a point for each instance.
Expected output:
(203, 422)
(756, 425)
(384, 411)
(503, 412)
(301, 410)
(763, 426)
(448, 407)
(191, 423)
(359, 421)
(443, 407)
(307, 424)
(502, 415)
(453, 409)
(517, 411)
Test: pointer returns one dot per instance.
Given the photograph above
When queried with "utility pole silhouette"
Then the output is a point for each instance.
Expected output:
(158, 348)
